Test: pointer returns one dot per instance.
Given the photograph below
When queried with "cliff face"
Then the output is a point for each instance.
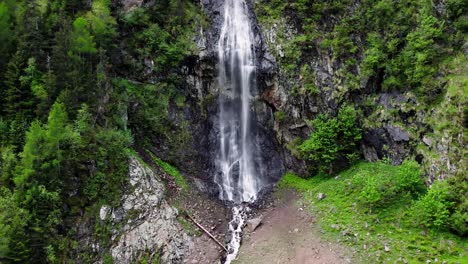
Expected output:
(303, 69)
(142, 226)
(322, 66)
(309, 68)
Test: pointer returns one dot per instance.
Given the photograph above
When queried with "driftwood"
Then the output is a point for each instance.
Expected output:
(206, 232)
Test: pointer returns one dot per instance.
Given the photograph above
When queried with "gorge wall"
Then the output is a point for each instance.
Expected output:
(316, 66)
(309, 68)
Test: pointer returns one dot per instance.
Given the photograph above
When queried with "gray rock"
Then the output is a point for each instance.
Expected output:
(254, 223)
(321, 196)
(150, 222)
(427, 140)
(104, 211)
(369, 152)
(397, 133)
(131, 4)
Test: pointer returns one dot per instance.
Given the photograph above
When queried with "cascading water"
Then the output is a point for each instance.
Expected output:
(239, 174)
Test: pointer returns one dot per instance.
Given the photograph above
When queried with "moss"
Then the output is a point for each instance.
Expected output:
(179, 179)
(189, 227)
(280, 116)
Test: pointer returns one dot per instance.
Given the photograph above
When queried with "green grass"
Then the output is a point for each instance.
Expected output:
(179, 179)
(346, 219)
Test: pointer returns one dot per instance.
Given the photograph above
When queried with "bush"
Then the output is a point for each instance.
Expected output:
(332, 138)
(179, 179)
(432, 209)
(379, 187)
(445, 205)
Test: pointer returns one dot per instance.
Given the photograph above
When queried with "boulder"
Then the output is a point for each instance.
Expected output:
(254, 223)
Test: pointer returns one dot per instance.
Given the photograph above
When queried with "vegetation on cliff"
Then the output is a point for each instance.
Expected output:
(75, 92)
(84, 83)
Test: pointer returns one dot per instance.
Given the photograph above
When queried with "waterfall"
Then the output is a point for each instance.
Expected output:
(238, 176)
(238, 173)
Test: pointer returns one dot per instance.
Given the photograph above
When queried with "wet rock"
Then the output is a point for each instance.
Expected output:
(254, 223)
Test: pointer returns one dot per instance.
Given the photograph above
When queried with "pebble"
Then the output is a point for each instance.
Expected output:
(321, 196)
(386, 248)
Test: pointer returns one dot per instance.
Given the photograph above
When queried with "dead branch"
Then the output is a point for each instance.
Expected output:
(206, 231)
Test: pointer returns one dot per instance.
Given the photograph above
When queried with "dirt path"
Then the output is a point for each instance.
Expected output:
(288, 235)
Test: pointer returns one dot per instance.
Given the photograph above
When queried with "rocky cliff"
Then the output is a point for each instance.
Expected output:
(298, 79)
(322, 66)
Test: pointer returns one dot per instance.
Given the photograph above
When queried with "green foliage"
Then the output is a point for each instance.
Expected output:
(101, 22)
(432, 210)
(308, 80)
(8, 162)
(280, 116)
(6, 34)
(444, 206)
(64, 133)
(458, 220)
(83, 41)
(421, 54)
(375, 55)
(456, 11)
(341, 218)
(332, 138)
(109, 150)
(377, 188)
(179, 179)
(34, 79)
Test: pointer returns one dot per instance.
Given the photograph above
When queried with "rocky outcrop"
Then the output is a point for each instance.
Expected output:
(128, 5)
(396, 125)
(145, 225)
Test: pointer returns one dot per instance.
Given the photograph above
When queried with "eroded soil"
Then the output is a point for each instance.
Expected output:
(289, 234)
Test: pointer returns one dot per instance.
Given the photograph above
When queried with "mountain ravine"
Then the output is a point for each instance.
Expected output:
(233, 131)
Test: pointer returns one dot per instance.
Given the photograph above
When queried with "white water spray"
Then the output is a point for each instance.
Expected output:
(238, 175)
(239, 214)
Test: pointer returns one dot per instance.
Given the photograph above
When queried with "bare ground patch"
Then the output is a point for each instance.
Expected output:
(289, 234)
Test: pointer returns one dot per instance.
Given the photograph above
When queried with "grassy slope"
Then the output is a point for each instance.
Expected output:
(344, 218)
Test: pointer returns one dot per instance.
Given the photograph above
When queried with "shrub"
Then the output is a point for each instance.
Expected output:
(458, 221)
(432, 209)
(179, 179)
(332, 138)
(378, 187)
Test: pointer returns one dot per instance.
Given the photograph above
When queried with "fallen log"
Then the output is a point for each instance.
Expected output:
(206, 231)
